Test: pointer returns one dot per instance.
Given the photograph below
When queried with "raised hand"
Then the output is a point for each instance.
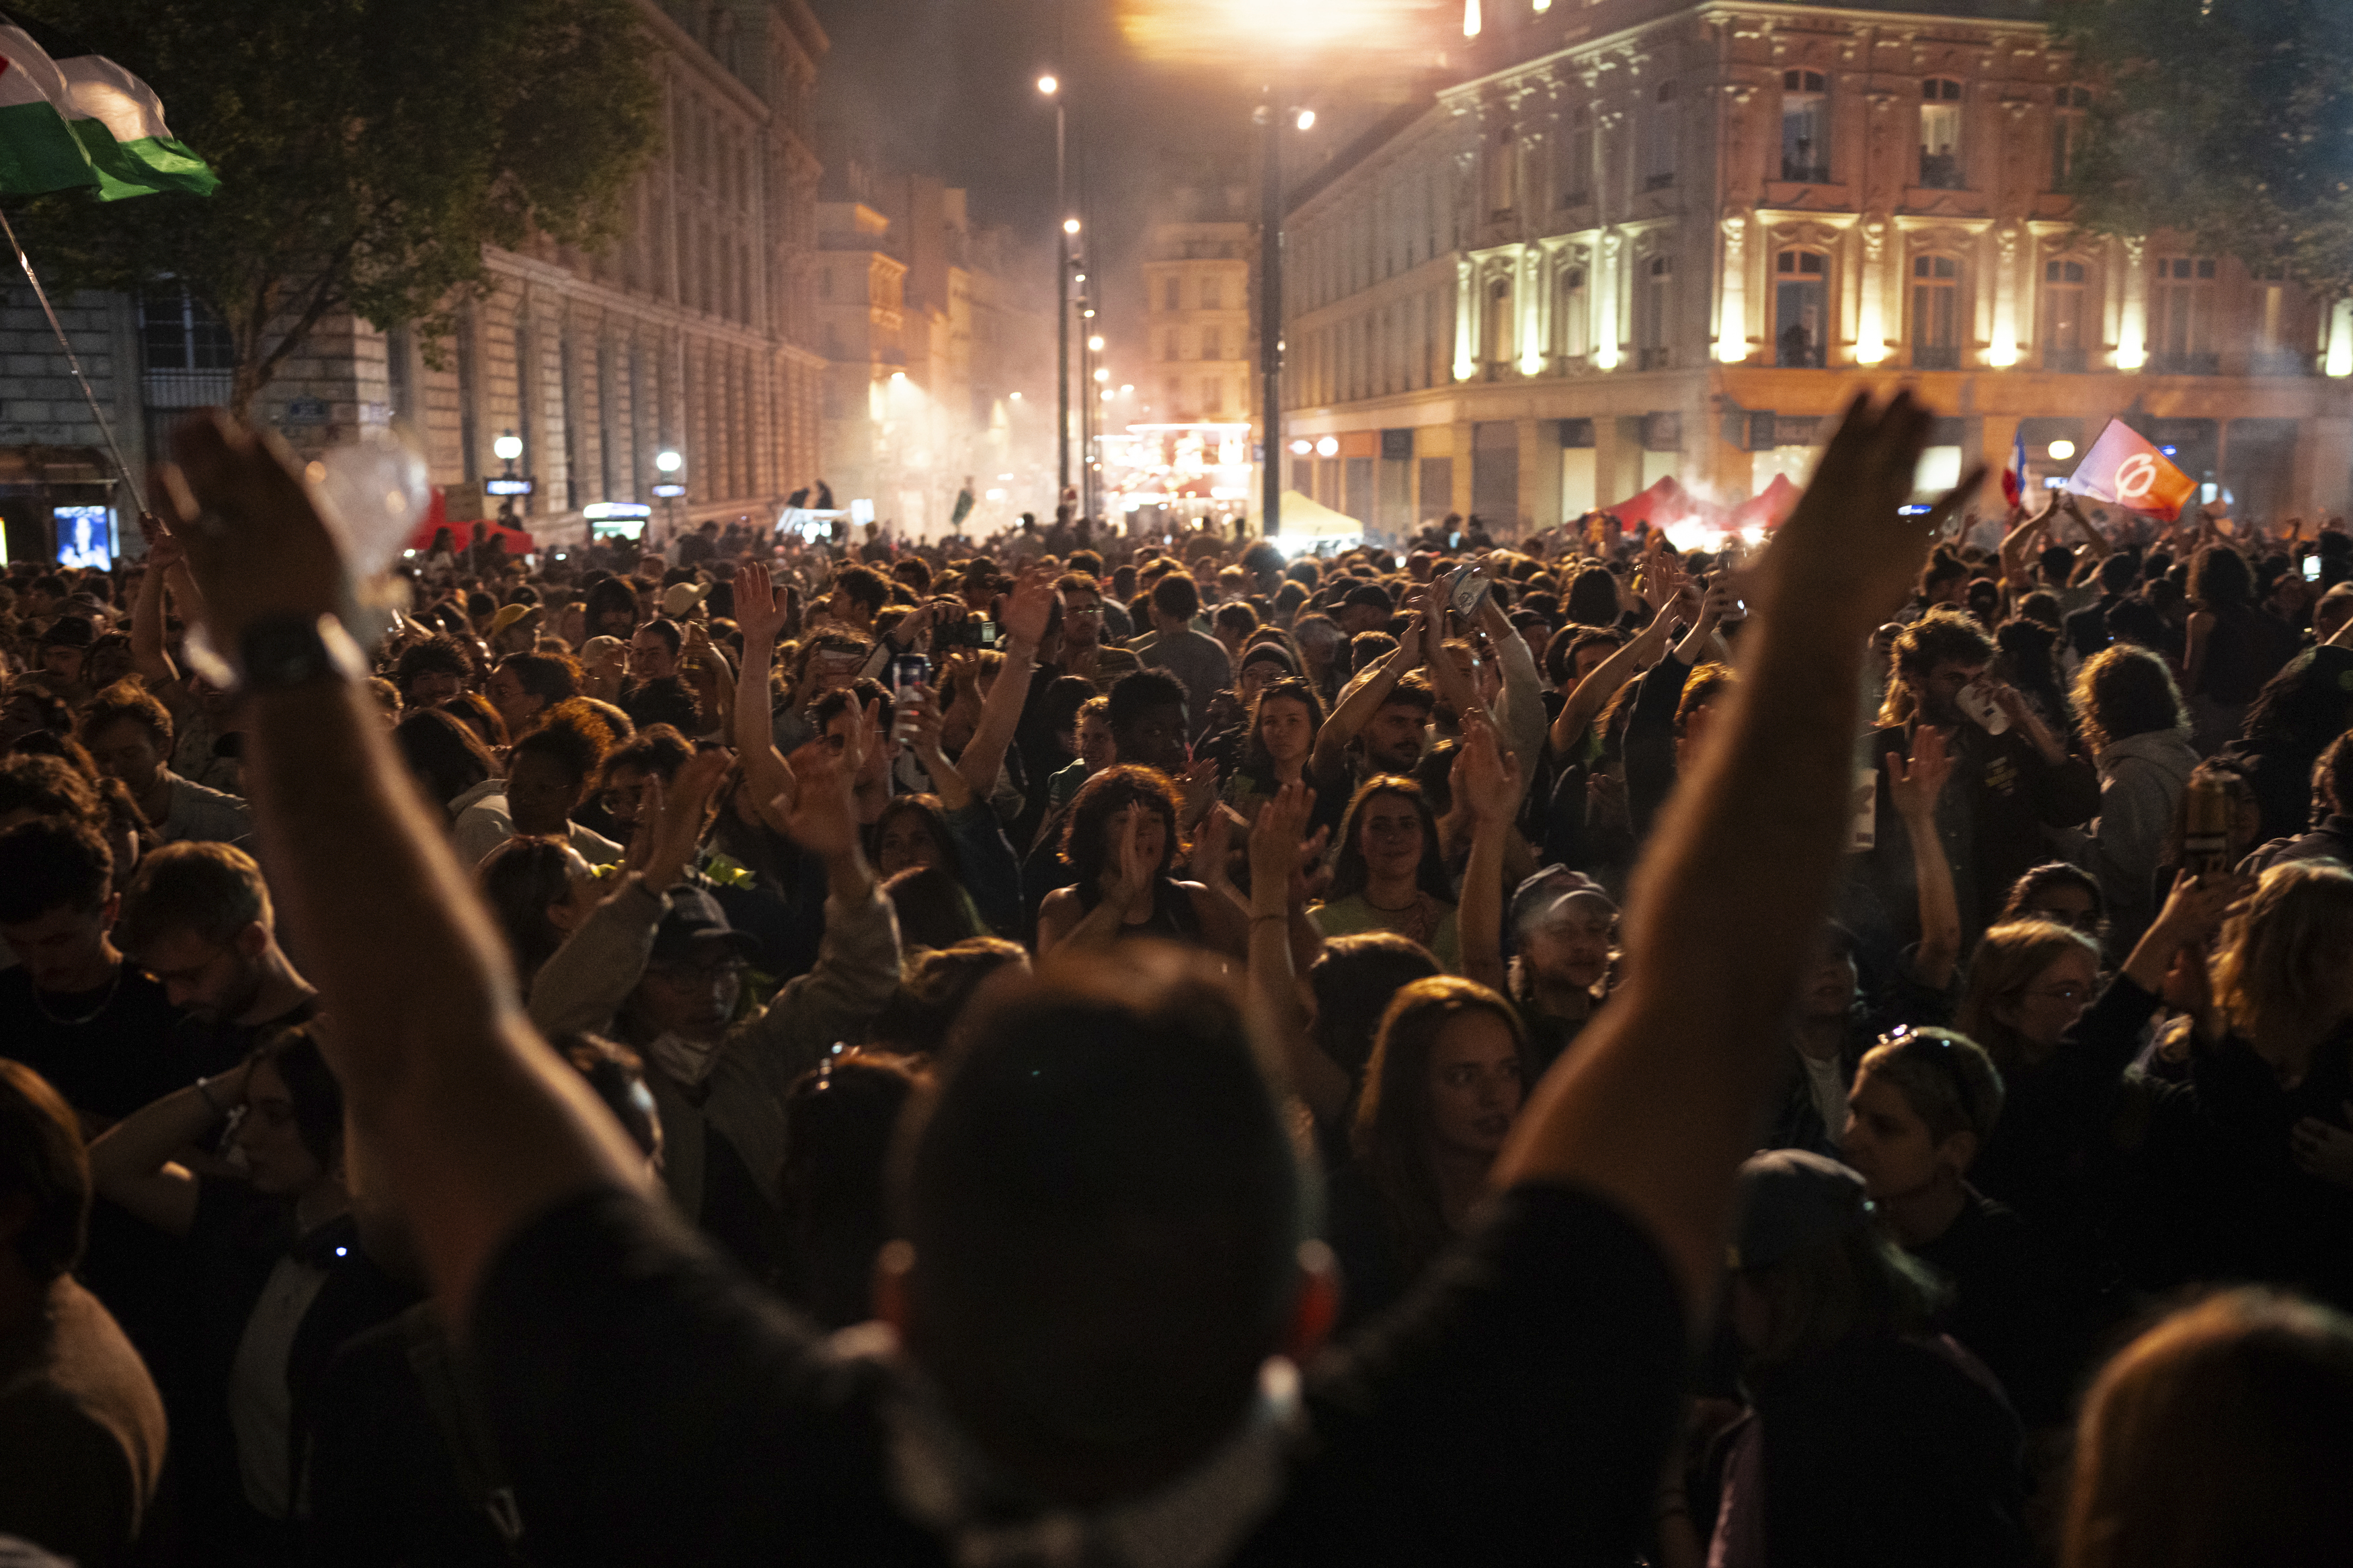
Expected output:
(1914, 787)
(1845, 554)
(256, 544)
(2324, 1149)
(819, 814)
(1029, 606)
(760, 606)
(1275, 851)
(1486, 777)
(669, 827)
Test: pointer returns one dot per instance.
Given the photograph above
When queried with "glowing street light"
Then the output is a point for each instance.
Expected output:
(508, 447)
(1302, 447)
(1095, 343)
(1048, 85)
(668, 461)
(1328, 448)
(1306, 119)
(1070, 225)
(1101, 374)
(2061, 450)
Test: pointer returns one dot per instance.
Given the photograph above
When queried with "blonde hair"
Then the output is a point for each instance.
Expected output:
(2006, 962)
(2223, 1434)
(2284, 951)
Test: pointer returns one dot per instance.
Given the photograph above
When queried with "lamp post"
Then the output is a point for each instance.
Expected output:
(1270, 304)
(507, 448)
(1052, 88)
(669, 488)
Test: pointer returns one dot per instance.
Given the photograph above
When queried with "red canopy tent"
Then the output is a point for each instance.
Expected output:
(1769, 509)
(514, 539)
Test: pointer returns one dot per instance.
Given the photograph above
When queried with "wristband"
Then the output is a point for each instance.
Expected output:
(282, 652)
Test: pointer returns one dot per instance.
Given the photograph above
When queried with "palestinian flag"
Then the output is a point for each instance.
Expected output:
(73, 121)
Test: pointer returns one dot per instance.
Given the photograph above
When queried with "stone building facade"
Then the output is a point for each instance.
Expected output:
(1641, 237)
(695, 333)
(1197, 338)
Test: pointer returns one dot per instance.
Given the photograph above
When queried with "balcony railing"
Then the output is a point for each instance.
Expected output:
(2185, 363)
(1806, 173)
(2066, 359)
(1941, 172)
(1654, 359)
(1936, 356)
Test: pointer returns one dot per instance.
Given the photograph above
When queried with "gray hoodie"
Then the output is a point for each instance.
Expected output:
(2141, 780)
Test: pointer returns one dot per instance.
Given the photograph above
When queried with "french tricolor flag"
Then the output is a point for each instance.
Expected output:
(2013, 478)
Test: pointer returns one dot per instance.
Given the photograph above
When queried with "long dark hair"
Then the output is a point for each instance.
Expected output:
(1255, 762)
(936, 823)
(1390, 1137)
(519, 879)
(294, 1055)
(1349, 872)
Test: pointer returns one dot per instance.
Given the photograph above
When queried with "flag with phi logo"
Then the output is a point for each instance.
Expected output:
(2123, 469)
(73, 121)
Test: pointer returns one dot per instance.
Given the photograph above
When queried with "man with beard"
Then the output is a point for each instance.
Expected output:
(1385, 713)
(197, 919)
(2008, 782)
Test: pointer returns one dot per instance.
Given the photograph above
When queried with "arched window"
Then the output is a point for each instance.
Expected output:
(1654, 314)
(2065, 291)
(1572, 325)
(1805, 128)
(1800, 309)
(2067, 133)
(1936, 313)
(1940, 133)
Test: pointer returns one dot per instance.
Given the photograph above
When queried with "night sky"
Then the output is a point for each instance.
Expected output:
(948, 87)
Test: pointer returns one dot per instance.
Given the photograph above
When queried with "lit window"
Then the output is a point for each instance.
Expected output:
(1936, 313)
(2181, 316)
(1572, 321)
(1654, 314)
(1940, 133)
(2064, 286)
(1800, 309)
(1805, 128)
(2067, 133)
(1659, 140)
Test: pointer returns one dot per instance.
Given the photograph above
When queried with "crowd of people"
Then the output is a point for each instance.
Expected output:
(1085, 1049)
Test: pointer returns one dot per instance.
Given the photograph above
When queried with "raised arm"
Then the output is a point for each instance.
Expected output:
(1026, 612)
(131, 1163)
(1592, 693)
(1488, 777)
(760, 611)
(2020, 540)
(1914, 787)
(1363, 697)
(475, 1123)
(151, 655)
(1658, 1105)
(1275, 856)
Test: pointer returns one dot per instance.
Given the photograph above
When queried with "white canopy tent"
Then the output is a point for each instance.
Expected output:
(1309, 525)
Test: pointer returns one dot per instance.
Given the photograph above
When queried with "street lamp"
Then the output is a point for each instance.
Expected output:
(1095, 343)
(1270, 304)
(667, 489)
(1051, 87)
(508, 447)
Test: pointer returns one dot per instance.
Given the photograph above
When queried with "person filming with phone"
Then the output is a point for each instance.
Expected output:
(2011, 776)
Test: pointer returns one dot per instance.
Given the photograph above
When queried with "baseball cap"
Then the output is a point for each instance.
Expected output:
(1789, 1200)
(680, 597)
(508, 615)
(1370, 595)
(69, 631)
(694, 918)
(1550, 890)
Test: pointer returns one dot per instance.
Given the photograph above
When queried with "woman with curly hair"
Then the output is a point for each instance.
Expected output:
(1122, 841)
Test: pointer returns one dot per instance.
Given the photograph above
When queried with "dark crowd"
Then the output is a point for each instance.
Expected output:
(1079, 1048)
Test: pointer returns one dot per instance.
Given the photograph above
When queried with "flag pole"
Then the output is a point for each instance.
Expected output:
(74, 362)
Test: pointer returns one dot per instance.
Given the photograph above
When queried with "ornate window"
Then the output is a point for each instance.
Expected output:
(1800, 309)
(1940, 133)
(1805, 128)
(2066, 290)
(1572, 323)
(1936, 313)
(2181, 316)
(2067, 133)
(1659, 130)
(1654, 314)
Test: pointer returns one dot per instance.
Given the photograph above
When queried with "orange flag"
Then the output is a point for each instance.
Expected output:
(2123, 469)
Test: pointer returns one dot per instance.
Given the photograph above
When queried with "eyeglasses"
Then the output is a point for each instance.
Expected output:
(2071, 994)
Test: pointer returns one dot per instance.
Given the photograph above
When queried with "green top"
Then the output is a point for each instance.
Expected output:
(1351, 916)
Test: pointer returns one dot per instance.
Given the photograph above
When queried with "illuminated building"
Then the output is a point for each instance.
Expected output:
(1636, 239)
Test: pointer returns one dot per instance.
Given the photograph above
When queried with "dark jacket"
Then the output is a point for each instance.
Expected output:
(2332, 840)
(1992, 813)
